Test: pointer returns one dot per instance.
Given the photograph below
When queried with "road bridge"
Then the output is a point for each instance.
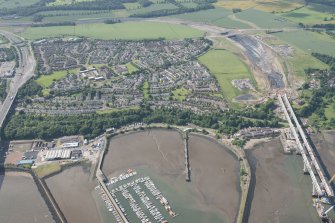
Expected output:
(320, 186)
(24, 72)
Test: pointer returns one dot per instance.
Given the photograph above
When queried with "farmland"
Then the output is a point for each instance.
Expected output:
(65, 2)
(77, 15)
(126, 30)
(264, 5)
(16, 3)
(307, 15)
(226, 67)
(321, 42)
(303, 60)
(265, 19)
(218, 17)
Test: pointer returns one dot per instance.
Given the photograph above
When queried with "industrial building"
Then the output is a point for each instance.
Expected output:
(58, 154)
(69, 145)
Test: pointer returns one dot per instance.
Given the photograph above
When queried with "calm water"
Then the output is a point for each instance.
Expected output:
(20, 200)
(282, 192)
(211, 196)
(72, 190)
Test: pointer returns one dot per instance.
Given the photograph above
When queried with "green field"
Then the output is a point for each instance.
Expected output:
(16, 3)
(77, 15)
(131, 68)
(126, 30)
(267, 6)
(190, 4)
(265, 19)
(132, 5)
(309, 41)
(303, 60)
(330, 111)
(65, 2)
(46, 80)
(180, 94)
(218, 17)
(226, 66)
(145, 89)
(307, 15)
(44, 170)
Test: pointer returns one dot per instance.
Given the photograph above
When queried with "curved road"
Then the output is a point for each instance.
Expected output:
(24, 72)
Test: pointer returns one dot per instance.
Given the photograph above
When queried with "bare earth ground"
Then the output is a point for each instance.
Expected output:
(20, 201)
(72, 192)
(215, 175)
(213, 189)
(282, 193)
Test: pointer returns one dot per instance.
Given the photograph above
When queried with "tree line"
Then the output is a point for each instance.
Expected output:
(166, 12)
(29, 126)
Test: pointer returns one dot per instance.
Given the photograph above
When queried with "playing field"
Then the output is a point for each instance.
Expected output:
(126, 30)
(307, 15)
(46, 80)
(131, 68)
(180, 94)
(218, 17)
(226, 66)
(309, 41)
(264, 5)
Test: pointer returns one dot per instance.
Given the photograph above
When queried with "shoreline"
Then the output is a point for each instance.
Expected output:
(237, 155)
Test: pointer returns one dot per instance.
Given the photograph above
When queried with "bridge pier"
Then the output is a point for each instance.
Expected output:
(305, 170)
(187, 160)
(314, 194)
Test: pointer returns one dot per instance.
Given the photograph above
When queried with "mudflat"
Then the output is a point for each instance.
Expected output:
(282, 193)
(213, 193)
(20, 200)
(161, 150)
(72, 191)
(215, 175)
(325, 145)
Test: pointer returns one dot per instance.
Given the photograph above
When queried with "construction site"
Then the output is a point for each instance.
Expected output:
(295, 139)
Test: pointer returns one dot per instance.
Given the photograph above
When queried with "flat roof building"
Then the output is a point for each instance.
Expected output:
(69, 145)
(58, 154)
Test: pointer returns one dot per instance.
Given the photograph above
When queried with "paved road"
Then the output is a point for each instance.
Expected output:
(24, 72)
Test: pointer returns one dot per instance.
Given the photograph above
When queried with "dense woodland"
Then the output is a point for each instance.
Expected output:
(28, 126)
(3, 87)
(180, 10)
(7, 54)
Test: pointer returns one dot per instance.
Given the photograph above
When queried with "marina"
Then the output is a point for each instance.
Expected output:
(138, 198)
(149, 185)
